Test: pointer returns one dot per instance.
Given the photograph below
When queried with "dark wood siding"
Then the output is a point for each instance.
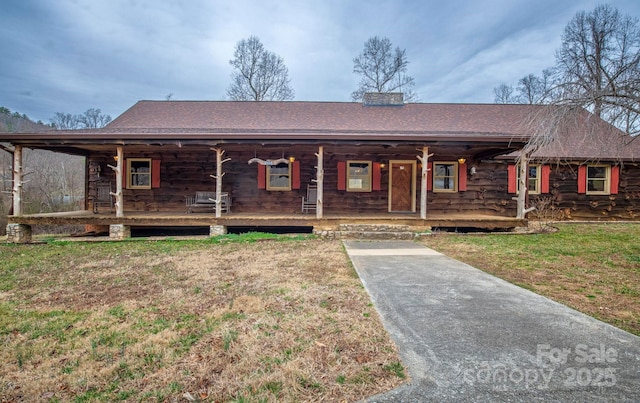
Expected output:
(486, 192)
(186, 170)
(566, 203)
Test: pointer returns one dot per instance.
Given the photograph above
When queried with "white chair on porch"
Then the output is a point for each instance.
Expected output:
(309, 202)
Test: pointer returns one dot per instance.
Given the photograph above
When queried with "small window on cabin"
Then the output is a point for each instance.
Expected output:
(598, 178)
(139, 173)
(358, 176)
(279, 176)
(445, 176)
(533, 185)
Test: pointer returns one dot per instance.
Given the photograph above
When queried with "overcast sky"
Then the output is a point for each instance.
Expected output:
(72, 55)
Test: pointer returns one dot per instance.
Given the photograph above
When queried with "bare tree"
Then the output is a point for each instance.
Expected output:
(382, 69)
(503, 94)
(65, 121)
(599, 66)
(94, 119)
(531, 89)
(6, 185)
(54, 181)
(259, 75)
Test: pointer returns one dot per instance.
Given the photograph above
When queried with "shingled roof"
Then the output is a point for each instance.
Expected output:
(325, 119)
(585, 137)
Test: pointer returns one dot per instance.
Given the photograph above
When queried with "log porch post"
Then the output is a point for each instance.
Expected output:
(523, 188)
(17, 181)
(18, 233)
(119, 231)
(118, 169)
(119, 179)
(424, 160)
(218, 177)
(319, 182)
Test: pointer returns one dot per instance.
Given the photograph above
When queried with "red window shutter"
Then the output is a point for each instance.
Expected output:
(462, 177)
(125, 172)
(295, 175)
(582, 179)
(342, 175)
(155, 173)
(512, 177)
(262, 176)
(545, 172)
(615, 179)
(430, 176)
(376, 175)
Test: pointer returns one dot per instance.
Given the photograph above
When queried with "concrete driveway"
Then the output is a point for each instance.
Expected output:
(465, 335)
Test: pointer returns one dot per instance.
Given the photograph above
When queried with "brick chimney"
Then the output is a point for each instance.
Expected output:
(383, 99)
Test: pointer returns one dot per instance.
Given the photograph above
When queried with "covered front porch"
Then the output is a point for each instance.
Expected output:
(329, 225)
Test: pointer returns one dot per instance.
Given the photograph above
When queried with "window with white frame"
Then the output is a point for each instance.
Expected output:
(445, 176)
(533, 179)
(598, 179)
(358, 176)
(139, 173)
(279, 176)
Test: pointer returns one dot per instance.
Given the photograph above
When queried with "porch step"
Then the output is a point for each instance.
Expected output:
(375, 231)
(375, 235)
(375, 227)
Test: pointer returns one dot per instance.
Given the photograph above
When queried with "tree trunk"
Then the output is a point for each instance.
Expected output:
(119, 175)
(319, 182)
(424, 159)
(17, 181)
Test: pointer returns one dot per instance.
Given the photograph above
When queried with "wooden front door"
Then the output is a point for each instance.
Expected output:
(402, 186)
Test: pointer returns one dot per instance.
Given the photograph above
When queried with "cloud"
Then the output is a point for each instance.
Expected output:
(474, 75)
(71, 55)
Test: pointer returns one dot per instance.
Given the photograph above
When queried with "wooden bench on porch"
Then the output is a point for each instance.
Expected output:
(207, 201)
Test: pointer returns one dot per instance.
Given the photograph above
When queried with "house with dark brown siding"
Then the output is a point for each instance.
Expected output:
(328, 166)
(589, 171)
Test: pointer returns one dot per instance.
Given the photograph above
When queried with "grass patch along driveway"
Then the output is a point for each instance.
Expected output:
(593, 268)
(153, 321)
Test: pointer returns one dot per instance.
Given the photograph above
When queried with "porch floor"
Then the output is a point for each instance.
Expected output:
(327, 222)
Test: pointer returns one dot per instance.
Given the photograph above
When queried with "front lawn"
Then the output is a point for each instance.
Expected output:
(275, 320)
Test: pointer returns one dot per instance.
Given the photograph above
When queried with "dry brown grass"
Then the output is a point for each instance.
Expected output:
(265, 321)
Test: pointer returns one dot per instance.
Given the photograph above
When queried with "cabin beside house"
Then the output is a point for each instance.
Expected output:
(380, 164)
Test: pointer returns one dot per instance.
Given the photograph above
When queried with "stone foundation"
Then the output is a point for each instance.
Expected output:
(19, 233)
(216, 230)
(119, 231)
(326, 234)
(372, 232)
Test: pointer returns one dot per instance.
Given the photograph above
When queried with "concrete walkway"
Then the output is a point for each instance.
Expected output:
(465, 335)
